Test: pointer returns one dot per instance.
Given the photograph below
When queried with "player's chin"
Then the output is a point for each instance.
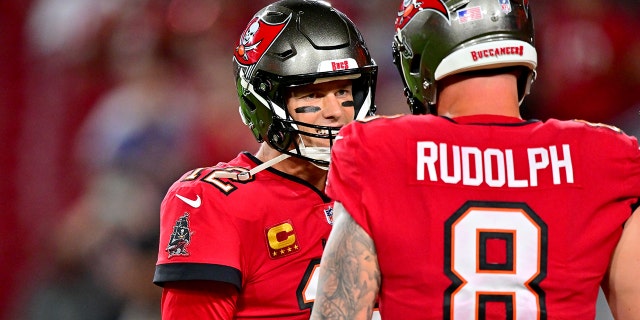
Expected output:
(316, 142)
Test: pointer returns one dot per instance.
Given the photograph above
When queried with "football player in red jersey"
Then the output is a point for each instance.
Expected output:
(243, 239)
(471, 212)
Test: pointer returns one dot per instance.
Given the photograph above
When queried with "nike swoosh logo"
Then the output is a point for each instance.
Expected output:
(194, 203)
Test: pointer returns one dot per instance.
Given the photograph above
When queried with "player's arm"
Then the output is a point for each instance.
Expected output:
(622, 287)
(186, 300)
(349, 275)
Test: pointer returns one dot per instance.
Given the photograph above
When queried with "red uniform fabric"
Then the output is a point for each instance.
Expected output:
(265, 236)
(487, 217)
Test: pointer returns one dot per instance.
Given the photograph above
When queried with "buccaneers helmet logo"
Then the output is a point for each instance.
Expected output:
(409, 8)
(256, 39)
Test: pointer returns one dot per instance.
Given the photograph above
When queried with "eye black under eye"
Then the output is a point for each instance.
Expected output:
(307, 109)
(349, 103)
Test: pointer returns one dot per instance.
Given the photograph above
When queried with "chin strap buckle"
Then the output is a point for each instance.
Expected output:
(247, 175)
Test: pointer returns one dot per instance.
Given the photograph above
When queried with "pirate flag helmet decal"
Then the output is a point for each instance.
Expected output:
(293, 43)
(409, 8)
(256, 39)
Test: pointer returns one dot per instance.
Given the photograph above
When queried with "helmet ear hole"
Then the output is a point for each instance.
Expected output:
(415, 64)
(249, 103)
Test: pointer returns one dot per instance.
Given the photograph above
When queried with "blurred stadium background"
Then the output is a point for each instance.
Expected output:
(104, 103)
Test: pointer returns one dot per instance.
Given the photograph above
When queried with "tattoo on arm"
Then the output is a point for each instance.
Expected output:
(349, 275)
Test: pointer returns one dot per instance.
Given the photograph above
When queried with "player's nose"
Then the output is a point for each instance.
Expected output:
(332, 107)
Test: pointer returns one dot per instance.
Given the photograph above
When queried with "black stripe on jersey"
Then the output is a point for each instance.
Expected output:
(197, 271)
(506, 124)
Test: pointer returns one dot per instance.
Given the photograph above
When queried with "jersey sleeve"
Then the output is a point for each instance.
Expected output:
(630, 169)
(198, 238)
(198, 300)
(620, 166)
(345, 178)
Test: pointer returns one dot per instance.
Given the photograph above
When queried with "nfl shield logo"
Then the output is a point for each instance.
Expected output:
(505, 5)
(328, 213)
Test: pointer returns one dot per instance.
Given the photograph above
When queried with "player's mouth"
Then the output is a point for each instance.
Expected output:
(325, 133)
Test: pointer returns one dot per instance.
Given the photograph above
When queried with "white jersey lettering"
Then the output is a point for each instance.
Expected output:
(471, 166)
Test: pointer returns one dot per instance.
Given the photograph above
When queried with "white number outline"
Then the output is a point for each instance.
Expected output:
(516, 214)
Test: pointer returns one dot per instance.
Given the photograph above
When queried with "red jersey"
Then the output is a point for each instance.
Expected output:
(265, 236)
(487, 217)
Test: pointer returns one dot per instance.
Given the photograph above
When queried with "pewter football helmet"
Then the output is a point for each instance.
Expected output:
(293, 43)
(438, 38)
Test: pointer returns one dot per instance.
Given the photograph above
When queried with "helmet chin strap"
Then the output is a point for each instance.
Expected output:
(245, 176)
(316, 153)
